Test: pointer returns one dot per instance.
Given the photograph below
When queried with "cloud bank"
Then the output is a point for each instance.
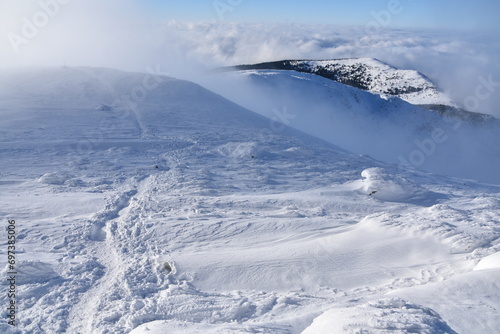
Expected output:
(459, 63)
(122, 34)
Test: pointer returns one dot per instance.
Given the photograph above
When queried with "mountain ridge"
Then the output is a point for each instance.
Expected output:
(375, 76)
(362, 73)
(384, 127)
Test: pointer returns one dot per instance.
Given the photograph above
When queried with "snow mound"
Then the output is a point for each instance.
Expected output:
(247, 150)
(54, 178)
(384, 316)
(104, 107)
(177, 327)
(393, 188)
(490, 262)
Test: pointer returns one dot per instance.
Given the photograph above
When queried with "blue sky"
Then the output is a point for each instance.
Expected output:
(130, 34)
(454, 14)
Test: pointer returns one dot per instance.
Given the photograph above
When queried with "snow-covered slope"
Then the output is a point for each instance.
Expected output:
(367, 74)
(145, 204)
(385, 128)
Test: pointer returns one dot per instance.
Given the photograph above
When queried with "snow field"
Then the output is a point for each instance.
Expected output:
(233, 232)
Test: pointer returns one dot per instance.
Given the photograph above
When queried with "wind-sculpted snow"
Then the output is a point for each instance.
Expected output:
(174, 210)
(490, 262)
(384, 316)
(385, 186)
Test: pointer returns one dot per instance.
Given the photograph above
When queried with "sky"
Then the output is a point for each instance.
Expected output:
(450, 14)
(453, 42)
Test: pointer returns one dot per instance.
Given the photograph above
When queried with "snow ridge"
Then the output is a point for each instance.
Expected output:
(368, 74)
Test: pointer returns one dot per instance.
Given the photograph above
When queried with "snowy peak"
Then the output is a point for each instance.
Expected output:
(375, 76)
(367, 74)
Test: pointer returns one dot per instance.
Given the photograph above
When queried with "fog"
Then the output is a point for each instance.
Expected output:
(386, 129)
(123, 34)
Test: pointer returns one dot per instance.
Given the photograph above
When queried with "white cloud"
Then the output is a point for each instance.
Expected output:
(119, 34)
(455, 61)
(72, 32)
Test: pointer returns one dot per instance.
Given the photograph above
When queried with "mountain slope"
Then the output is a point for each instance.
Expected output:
(379, 78)
(366, 74)
(163, 207)
(387, 129)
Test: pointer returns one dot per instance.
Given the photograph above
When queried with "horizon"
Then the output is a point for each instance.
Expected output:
(427, 14)
(188, 39)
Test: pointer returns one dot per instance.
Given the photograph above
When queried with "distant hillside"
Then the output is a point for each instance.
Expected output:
(377, 77)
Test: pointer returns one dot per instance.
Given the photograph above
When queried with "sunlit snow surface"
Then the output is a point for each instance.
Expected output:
(146, 204)
(384, 79)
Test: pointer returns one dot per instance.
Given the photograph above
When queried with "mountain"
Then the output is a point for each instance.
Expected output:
(379, 78)
(383, 127)
(366, 74)
(146, 204)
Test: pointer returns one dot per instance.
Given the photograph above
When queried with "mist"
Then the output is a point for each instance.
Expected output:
(386, 129)
(123, 34)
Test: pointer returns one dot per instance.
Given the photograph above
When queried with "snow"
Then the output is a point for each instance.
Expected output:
(394, 315)
(178, 211)
(489, 262)
(456, 298)
(392, 188)
(386, 129)
(382, 79)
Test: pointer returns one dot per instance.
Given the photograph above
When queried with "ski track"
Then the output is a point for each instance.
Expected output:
(84, 315)
(124, 252)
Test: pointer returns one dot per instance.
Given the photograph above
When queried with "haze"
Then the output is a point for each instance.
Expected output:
(453, 43)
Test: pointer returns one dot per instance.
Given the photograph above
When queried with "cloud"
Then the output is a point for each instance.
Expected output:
(457, 62)
(122, 34)
(70, 32)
